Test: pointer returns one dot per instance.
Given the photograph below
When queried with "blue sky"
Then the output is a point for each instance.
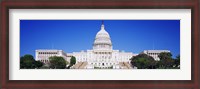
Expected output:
(76, 35)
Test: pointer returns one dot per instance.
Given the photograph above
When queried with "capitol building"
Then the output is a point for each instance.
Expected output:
(102, 55)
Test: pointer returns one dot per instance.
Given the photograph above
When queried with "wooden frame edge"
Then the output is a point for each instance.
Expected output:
(7, 84)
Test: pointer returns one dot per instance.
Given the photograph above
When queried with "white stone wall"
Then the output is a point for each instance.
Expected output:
(154, 53)
(43, 55)
(102, 58)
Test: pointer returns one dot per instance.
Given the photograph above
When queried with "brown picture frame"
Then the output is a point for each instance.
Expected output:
(100, 4)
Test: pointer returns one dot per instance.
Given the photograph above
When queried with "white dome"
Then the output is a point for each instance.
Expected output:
(102, 40)
(102, 33)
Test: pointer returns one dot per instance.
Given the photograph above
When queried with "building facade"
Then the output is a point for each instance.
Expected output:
(154, 53)
(101, 56)
(43, 55)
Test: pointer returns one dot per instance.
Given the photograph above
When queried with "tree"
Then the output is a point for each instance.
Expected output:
(57, 62)
(72, 61)
(28, 62)
(177, 61)
(143, 61)
(166, 60)
(38, 64)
